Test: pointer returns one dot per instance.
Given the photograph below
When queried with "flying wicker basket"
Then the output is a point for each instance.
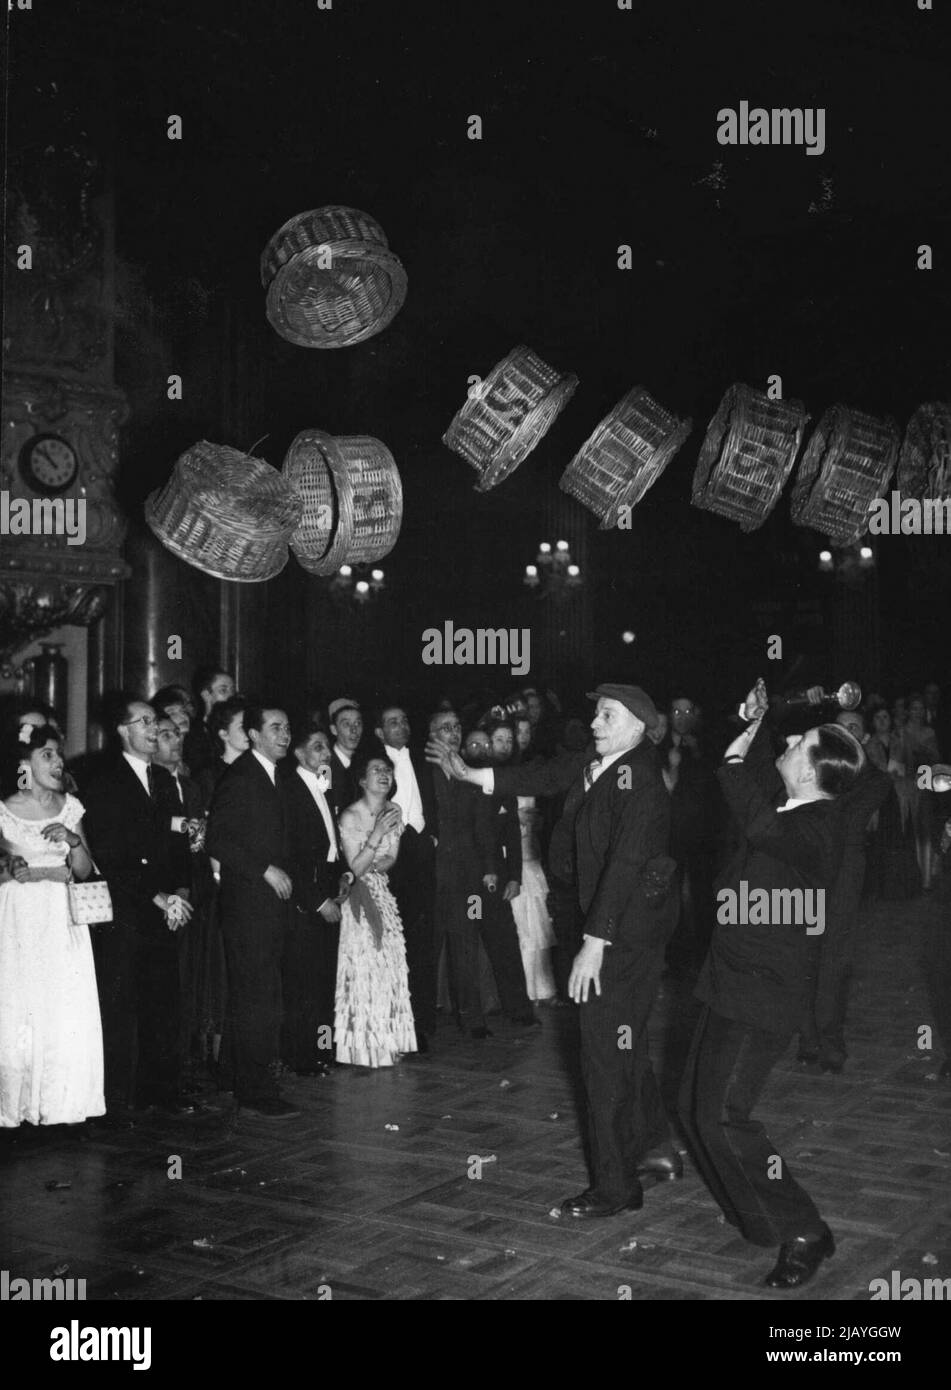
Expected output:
(365, 482)
(507, 414)
(331, 278)
(226, 513)
(924, 469)
(848, 462)
(748, 452)
(624, 456)
(305, 469)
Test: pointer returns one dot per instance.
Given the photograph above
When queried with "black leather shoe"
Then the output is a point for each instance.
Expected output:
(589, 1204)
(422, 1042)
(799, 1259)
(660, 1165)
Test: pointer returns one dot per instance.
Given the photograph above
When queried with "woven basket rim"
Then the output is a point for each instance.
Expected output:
(507, 460)
(635, 488)
(720, 434)
(383, 259)
(336, 553)
(290, 226)
(819, 460)
(155, 526)
(223, 501)
(916, 463)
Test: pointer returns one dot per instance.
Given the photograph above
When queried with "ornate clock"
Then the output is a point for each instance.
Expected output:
(48, 464)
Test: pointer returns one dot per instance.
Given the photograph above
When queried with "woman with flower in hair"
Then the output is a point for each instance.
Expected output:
(51, 1064)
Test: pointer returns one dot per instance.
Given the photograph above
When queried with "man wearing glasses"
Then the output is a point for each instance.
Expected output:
(137, 953)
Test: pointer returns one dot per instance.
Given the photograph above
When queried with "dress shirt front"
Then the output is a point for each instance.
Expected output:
(407, 796)
(309, 780)
(269, 767)
(140, 766)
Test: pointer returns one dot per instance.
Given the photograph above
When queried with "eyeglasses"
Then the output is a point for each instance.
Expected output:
(145, 719)
(453, 728)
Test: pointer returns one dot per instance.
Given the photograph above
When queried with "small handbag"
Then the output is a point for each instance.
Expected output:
(89, 902)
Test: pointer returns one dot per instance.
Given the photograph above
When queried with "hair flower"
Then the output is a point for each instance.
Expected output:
(26, 733)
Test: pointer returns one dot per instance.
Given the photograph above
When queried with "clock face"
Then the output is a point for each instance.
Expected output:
(48, 463)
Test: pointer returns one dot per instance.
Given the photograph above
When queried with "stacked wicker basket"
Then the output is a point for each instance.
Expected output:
(749, 450)
(848, 463)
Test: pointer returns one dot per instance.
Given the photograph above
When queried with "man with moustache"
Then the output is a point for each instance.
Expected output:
(611, 840)
(137, 966)
(346, 725)
(247, 834)
(413, 876)
(321, 882)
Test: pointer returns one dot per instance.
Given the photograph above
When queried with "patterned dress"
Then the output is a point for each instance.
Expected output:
(51, 1067)
(373, 1020)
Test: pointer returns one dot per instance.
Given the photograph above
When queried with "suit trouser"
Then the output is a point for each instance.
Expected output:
(412, 882)
(626, 1116)
(137, 973)
(500, 939)
(935, 960)
(568, 923)
(728, 1066)
(254, 948)
(308, 987)
(830, 960)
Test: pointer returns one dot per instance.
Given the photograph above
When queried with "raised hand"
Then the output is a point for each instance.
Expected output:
(757, 701)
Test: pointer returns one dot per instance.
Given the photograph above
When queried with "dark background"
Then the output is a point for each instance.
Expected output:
(599, 129)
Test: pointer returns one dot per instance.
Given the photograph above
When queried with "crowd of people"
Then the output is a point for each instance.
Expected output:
(292, 897)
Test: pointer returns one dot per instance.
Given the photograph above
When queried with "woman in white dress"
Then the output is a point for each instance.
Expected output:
(373, 1021)
(51, 1067)
(536, 935)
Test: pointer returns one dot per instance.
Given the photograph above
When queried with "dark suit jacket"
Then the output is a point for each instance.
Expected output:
(344, 791)
(131, 842)
(606, 838)
(191, 807)
(459, 816)
(508, 839)
(315, 880)
(756, 974)
(247, 832)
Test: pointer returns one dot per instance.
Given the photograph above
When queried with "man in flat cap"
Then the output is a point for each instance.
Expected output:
(611, 841)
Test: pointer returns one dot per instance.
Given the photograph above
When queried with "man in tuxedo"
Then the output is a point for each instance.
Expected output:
(413, 876)
(753, 983)
(182, 802)
(129, 832)
(247, 834)
(612, 840)
(499, 932)
(346, 725)
(321, 881)
(465, 871)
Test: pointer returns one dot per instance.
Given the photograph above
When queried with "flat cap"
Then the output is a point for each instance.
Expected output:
(344, 702)
(632, 697)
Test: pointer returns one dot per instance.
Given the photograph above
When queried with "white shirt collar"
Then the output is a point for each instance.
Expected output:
(269, 767)
(610, 761)
(795, 801)
(345, 757)
(397, 755)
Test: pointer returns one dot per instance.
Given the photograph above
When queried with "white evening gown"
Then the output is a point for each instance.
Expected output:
(373, 1020)
(50, 1034)
(536, 935)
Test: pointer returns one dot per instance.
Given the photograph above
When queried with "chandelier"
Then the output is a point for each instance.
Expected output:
(554, 573)
(357, 584)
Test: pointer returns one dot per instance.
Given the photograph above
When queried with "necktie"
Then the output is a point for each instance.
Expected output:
(589, 772)
(150, 778)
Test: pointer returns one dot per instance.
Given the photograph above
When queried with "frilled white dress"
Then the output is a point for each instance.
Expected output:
(536, 935)
(51, 1068)
(373, 1021)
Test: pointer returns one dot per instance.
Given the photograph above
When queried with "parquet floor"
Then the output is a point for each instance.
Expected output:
(374, 1192)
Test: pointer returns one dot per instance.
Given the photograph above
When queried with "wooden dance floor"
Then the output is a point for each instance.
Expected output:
(369, 1194)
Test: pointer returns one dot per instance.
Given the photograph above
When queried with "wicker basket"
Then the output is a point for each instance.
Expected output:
(624, 456)
(365, 481)
(848, 462)
(508, 414)
(748, 452)
(305, 469)
(924, 469)
(226, 513)
(317, 306)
